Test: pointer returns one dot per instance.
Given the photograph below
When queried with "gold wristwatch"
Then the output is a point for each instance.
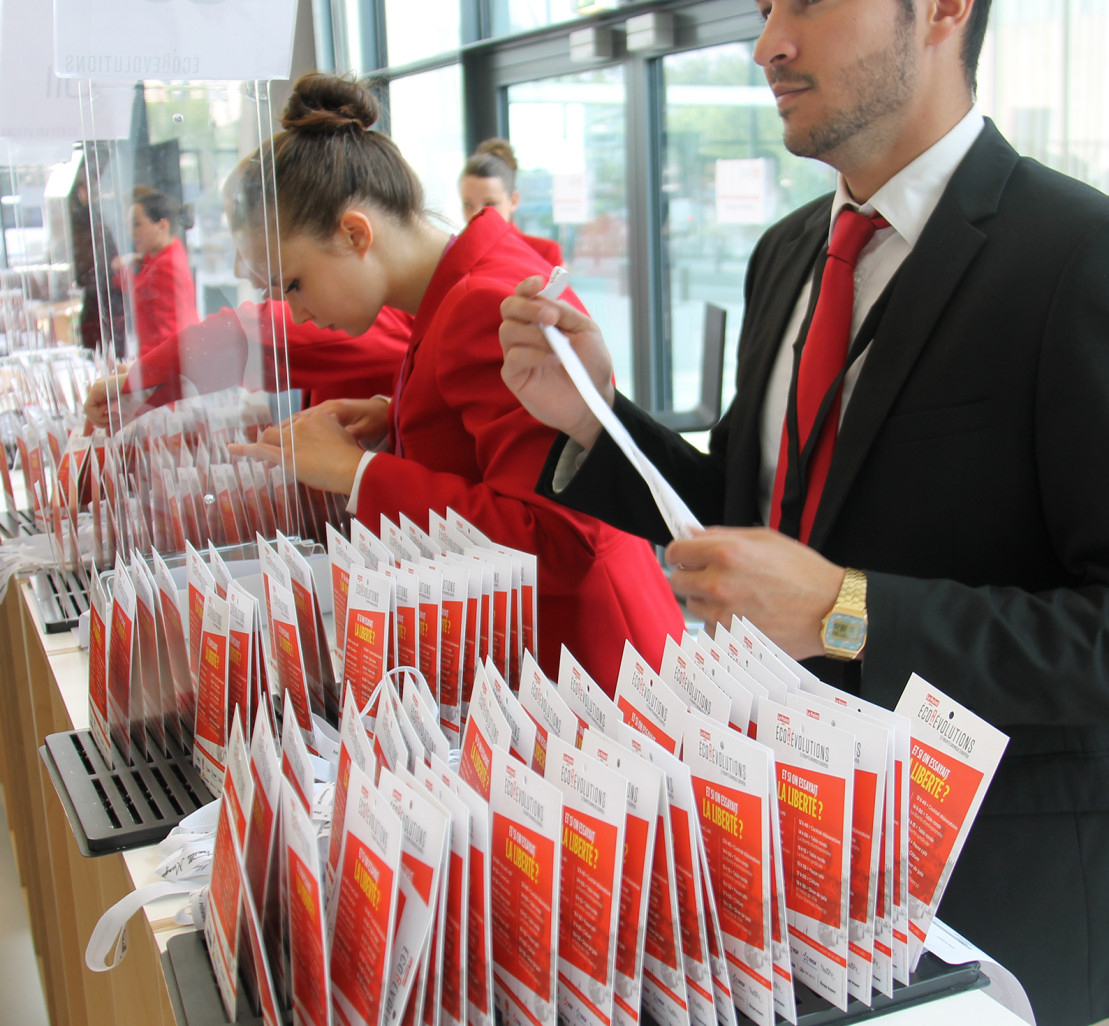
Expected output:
(843, 630)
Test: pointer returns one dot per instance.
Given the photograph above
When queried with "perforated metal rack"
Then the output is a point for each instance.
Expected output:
(61, 598)
(114, 809)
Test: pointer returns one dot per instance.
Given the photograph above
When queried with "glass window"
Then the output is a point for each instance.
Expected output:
(569, 136)
(414, 31)
(726, 177)
(426, 123)
(521, 15)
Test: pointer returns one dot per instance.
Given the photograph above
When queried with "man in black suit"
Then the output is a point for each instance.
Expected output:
(968, 488)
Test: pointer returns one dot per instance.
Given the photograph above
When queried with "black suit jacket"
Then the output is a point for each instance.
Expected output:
(970, 481)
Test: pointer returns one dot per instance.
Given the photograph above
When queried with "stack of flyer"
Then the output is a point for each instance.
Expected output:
(693, 842)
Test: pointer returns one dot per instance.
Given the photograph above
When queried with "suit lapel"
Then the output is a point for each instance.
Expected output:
(922, 290)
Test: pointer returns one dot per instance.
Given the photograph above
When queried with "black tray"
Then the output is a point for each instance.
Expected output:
(61, 598)
(192, 985)
(112, 810)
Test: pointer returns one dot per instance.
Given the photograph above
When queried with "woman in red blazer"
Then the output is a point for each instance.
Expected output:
(488, 179)
(163, 296)
(354, 239)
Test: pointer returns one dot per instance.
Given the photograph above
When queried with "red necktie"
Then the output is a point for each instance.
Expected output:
(823, 358)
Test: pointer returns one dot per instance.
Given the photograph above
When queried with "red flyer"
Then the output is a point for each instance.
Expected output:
(241, 672)
(355, 749)
(664, 990)
(210, 741)
(100, 612)
(546, 707)
(953, 759)
(700, 692)
(423, 715)
(815, 763)
(728, 673)
(156, 687)
(366, 649)
(731, 786)
(390, 748)
(323, 689)
(594, 820)
(288, 662)
(486, 729)
(120, 661)
(452, 635)
(447, 988)
(640, 833)
(343, 556)
(647, 704)
(173, 631)
(526, 814)
(221, 923)
(479, 932)
(308, 961)
(521, 725)
(585, 697)
(407, 613)
(425, 840)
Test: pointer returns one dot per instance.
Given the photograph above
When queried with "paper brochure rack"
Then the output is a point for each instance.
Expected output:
(196, 999)
(112, 810)
(61, 597)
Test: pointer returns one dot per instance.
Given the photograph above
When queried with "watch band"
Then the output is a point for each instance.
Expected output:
(852, 593)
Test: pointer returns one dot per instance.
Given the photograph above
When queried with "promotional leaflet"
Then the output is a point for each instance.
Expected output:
(594, 822)
(448, 1000)
(890, 823)
(453, 628)
(699, 691)
(389, 745)
(723, 1001)
(546, 707)
(121, 650)
(362, 913)
(815, 763)
(308, 961)
(323, 688)
(868, 800)
(406, 585)
(425, 837)
(785, 998)
(741, 626)
(645, 784)
(176, 650)
(400, 545)
(288, 663)
(479, 933)
(355, 749)
(366, 649)
(273, 570)
(953, 759)
(265, 778)
(221, 573)
(209, 750)
(745, 667)
(417, 753)
(166, 652)
(374, 552)
(154, 703)
(431, 623)
(731, 786)
(424, 718)
(429, 548)
(486, 729)
(525, 607)
(296, 763)
(647, 704)
(199, 581)
(505, 616)
(221, 923)
(343, 557)
(585, 697)
(100, 613)
(743, 689)
(760, 648)
(686, 879)
(521, 725)
(526, 824)
(241, 671)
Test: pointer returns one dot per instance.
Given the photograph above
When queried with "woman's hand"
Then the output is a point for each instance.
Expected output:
(313, 447)
(367, 420)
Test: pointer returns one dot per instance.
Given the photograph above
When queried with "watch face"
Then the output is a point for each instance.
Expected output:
(844, 634)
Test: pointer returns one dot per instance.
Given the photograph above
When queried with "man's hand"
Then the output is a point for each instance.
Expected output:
(536, 375)
(365, 419)
(313, 446)
(107, 406)
(783, 587)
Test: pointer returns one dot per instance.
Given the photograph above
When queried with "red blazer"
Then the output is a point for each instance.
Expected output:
(163, 296)
(467, 443)
(258, 344)
(548, 249)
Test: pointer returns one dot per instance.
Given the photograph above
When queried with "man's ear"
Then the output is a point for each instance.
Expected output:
(946, 17)
(356, 231)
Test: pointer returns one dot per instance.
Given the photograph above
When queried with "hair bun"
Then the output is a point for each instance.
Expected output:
(328, 103)
(499, 148)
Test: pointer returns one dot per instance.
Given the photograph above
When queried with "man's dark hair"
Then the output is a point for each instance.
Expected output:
(972, 41)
